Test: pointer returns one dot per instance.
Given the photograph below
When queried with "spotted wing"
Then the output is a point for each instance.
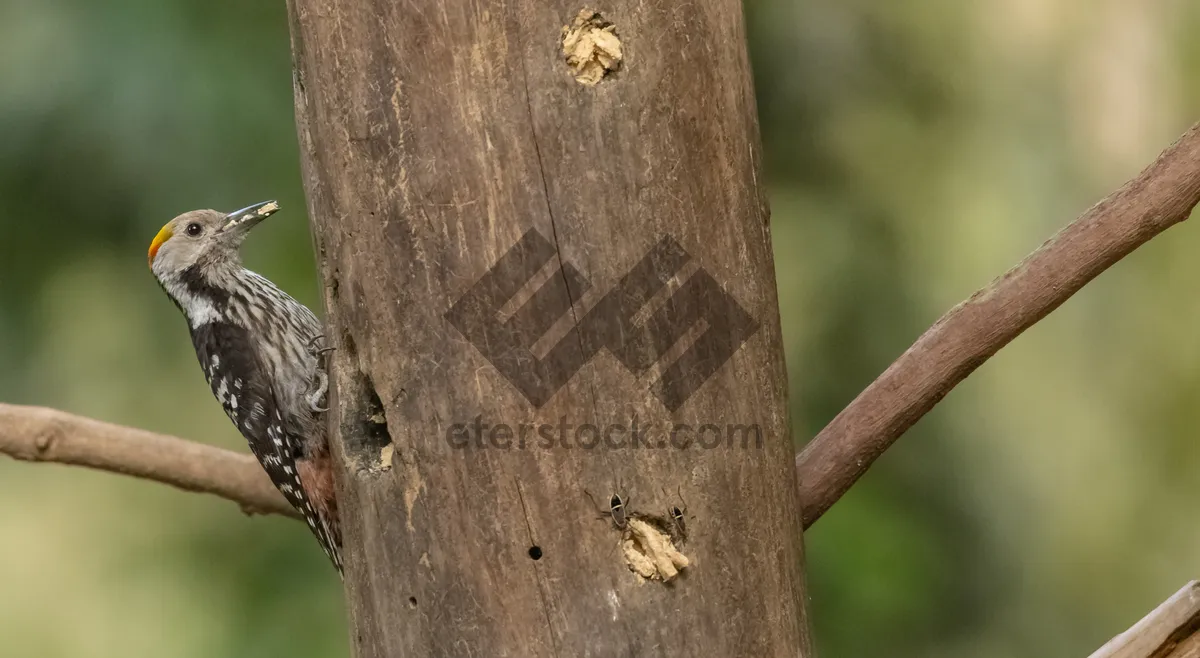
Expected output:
(242, 385)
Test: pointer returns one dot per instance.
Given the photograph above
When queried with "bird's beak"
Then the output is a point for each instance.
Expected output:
(243, 220)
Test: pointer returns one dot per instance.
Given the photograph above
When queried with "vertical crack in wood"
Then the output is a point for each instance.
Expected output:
(537, 150)
(537, 574)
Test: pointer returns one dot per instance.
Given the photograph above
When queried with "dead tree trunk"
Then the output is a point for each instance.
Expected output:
(547, 279)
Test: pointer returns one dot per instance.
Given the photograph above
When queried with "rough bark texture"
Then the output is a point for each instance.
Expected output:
(434, 136)
(1172, 630)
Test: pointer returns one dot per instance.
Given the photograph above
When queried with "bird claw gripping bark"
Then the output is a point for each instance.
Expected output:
(318, 351)
(320, 383)
(320, 386)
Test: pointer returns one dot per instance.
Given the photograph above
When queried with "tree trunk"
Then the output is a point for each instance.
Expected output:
(534, 271)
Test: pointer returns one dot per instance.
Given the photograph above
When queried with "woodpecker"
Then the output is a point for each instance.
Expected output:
(260, 352)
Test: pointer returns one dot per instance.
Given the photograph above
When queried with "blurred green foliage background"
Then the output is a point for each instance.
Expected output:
(915, 150)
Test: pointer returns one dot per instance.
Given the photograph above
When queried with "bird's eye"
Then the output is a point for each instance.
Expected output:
(194, 229)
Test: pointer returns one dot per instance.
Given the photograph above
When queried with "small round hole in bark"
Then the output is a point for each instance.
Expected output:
(591, 47)
(535, 552)
(412, 601)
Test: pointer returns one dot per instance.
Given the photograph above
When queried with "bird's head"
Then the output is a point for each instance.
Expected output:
(204, 237)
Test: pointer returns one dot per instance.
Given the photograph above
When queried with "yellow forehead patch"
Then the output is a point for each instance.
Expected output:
(164, 234)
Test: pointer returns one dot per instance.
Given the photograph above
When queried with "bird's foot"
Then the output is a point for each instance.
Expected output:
(318, 351)
(320, 386)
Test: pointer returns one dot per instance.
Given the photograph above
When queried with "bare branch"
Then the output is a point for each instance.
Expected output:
(970, 333)
(1172, 630)
(44, 435)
